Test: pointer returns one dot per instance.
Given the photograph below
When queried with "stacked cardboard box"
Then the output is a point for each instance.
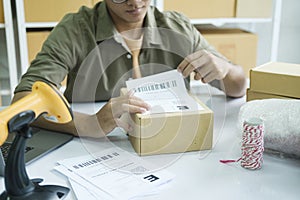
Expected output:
(274, 80)
(1, 12)
(197, 9)
(96, 1)
(202, 8)
(51, 11)
(35, 40)
(239, 46)
(0, 97)
(254, 8)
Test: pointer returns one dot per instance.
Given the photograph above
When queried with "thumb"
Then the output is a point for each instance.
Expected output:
(124, 122)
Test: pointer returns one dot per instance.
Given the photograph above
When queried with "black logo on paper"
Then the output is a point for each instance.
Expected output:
(151, 178)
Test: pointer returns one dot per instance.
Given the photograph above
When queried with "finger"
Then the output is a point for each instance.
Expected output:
(209, 77)
(182, 65)
(187, 60)
(203, 69)
(197, 76)
(122, 124)
(192, 63)
(133, 109)
(139, 103)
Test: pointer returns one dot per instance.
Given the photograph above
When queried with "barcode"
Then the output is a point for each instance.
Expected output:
(156, 86)
(95, 161)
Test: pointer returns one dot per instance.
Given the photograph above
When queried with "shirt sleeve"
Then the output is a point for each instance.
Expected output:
(60, 52)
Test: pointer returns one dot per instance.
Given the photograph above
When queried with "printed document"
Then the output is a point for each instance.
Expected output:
(113, 174)
(165, 92)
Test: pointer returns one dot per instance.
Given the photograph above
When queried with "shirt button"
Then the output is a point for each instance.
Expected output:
(129, 56)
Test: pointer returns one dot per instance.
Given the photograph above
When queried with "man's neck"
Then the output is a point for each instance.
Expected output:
(133, 28)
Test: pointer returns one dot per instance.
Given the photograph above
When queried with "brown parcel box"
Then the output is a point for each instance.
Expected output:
(276, 78)
(35, 40)
(254, 8)
(1, 12)
(53, 10)
(237, 45)
(196, 9)
(172, 132)
(253, 95)
(96, 1)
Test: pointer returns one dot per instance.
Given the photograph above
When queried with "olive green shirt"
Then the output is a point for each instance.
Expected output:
(86, 48)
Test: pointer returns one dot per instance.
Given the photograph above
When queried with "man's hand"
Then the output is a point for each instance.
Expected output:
(109, 116)
(207, 67)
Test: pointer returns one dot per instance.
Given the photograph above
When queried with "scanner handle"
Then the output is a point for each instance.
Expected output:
(44, 98)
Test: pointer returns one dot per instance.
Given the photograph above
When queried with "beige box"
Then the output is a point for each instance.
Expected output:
(254, 8)
(35, 40)
(53, 10)
(254, 95)
(0, 97)
(96, 1)
(239, 46)
(196, 9)
(276, 78)
(1, 12)
(172, 132)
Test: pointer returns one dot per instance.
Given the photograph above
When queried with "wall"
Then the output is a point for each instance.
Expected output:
(289, 42)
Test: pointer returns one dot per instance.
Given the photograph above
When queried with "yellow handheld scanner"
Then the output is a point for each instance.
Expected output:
(44, 98)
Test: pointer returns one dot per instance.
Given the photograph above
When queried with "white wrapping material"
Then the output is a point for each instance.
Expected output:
(282, 123)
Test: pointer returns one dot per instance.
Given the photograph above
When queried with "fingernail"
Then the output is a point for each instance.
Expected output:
(130, 129)
(143, 110)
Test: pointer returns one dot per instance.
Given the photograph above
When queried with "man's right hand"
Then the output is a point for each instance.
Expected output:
(109, 115)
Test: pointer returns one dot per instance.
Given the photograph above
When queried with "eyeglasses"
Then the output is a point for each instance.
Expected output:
(118, 1)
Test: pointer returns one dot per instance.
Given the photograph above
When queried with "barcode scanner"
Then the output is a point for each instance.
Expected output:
(44, 99)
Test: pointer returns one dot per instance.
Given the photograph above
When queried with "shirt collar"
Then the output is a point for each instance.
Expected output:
(105, 27)
(152, 33)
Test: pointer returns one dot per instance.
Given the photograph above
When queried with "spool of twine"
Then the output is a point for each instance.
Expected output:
(252, 144)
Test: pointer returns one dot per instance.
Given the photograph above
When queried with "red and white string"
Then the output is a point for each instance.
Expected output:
(252, 146)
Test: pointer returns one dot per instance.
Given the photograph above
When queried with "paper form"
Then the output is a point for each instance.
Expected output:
(165, 92)
(114, 174)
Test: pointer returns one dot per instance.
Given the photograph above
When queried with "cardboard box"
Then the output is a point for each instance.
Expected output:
(96, 1)
(35, 40)
(0, 96)
(196, 9)
(172, 132)
(1, 12)
(254, 8)
(239, 46)
(254, 95)
(276, 78)
(51, 11)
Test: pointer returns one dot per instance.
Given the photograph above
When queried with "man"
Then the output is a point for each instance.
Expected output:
(93, 49)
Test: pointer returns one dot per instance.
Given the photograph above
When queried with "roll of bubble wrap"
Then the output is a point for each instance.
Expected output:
(282, 124)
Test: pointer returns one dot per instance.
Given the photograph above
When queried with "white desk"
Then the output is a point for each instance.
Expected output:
(199, 175)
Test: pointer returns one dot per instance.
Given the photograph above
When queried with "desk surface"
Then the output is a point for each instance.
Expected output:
(199, 175)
